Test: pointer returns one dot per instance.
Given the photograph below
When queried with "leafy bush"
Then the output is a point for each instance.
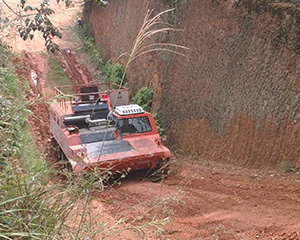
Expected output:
(288, 167)
(4, 52)
(144, 98)
(113, 73)
(158, 125)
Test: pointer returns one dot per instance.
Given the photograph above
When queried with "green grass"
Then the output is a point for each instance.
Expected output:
(288, 167)
(56, 75)
(23, 210)
(32, 160)
(86, 41)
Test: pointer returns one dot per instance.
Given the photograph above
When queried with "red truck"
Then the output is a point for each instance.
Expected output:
(94, 126)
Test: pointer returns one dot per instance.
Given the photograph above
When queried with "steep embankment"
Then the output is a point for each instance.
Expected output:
(236, 99)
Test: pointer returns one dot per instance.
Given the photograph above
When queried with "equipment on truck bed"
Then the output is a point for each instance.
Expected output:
(94, 126)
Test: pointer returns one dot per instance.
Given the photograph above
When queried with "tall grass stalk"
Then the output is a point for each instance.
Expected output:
(151, 27)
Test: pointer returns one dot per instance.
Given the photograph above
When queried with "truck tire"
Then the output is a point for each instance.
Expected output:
(61, 157)
(64, 160)
(161, 171)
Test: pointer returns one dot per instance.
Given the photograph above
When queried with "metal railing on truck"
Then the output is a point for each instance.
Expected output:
(69, 95)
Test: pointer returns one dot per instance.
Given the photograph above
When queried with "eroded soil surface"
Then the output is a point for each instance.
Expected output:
(199, 200)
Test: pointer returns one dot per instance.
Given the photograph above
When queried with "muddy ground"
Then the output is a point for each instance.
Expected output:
(199, 200)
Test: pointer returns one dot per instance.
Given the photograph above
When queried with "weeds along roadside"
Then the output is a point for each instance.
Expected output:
(30, 208)
(21, 164)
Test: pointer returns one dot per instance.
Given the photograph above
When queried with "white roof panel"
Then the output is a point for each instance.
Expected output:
(129, 109)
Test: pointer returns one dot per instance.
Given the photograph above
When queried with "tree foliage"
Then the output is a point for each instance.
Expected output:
(37, 19)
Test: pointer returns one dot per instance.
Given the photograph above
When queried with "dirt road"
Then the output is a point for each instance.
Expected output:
(200, 199)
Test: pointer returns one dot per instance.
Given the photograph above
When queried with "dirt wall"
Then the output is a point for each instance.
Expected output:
(236, 98)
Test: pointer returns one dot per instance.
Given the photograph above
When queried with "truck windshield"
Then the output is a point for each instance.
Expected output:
(134, 125)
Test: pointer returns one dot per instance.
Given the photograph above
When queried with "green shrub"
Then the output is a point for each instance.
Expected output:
(144, 98)
(4, 52)
(113, 73)
(288, 167)
(158, 125)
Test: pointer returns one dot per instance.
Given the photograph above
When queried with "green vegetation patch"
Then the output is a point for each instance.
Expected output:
(113, 73)
(15, 136)
(87, 43)
(288, 167)
(25, 212)
(144, 99)
(56, 73)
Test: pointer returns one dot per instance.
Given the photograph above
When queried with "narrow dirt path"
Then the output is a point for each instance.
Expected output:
(200, 200)
(75, 71)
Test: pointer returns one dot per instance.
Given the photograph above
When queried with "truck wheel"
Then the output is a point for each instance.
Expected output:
(161, 171)
(65, 162)
(59, 154)
(56, 148)
(165, 168)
